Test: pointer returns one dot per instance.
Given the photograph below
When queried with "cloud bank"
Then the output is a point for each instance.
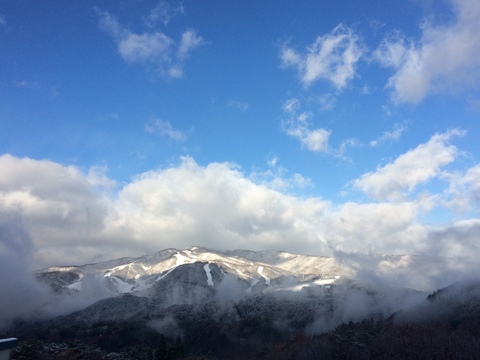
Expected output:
(70, 216)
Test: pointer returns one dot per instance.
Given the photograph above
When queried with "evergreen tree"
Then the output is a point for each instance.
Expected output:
(161, 353)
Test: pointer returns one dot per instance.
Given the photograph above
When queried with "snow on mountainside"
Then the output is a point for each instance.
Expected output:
(257, 271)
(230, 302)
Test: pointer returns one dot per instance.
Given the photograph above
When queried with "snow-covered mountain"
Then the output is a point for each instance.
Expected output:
(252, 271)
(223, 303)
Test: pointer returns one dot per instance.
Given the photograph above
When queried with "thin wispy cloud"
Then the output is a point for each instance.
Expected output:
(277, 177)
(297, 125)
(164, 128)
(240, 105)
(153, 48)
(326, 101)
(444, 59)
(331, 57)
(164, 13)
(190, 40)
(27, 84)
(393, 135)
(345, 145)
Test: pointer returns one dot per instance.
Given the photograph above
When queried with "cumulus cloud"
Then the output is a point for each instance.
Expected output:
(330, 57)
(52, 214)
(151, 48)
(298, 126)
(393, 135)
(216, 205)
(464, 191)
(399, 178)
(58, 204)
(444, 59)
(384, 228)
(164, 128)
(73, 216)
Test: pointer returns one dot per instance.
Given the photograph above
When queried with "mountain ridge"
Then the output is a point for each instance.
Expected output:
(136, 275)
(221, 303)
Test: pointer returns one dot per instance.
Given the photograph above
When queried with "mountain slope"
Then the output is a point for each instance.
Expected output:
(230, 302)
(257, 271)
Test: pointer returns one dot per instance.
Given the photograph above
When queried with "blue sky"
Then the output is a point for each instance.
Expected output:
(321, 127)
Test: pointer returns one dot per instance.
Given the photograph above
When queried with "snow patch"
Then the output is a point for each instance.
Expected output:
(122, 286)
(325, 281)
(75, 286)
(206, 267)
(189, 253)
(205, 255)
(181, 259)
(168, 272)
(260, 272)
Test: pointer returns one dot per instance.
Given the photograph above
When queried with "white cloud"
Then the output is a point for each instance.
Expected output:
(464, 191)
(190, 40)
(3, 21)
(326, 101)
(58, 204)
(399, 178)
(331, 57)
(314, 140)
(291, 106)
(436, 257)
(187, 204)
(63, 215)
(72, 217)
(298, 126)
(151, 48)
(277, 178)
(164, 128)
(372, 227)
(164, 12)
(394, 135)
(444, 59)
(348, 143)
